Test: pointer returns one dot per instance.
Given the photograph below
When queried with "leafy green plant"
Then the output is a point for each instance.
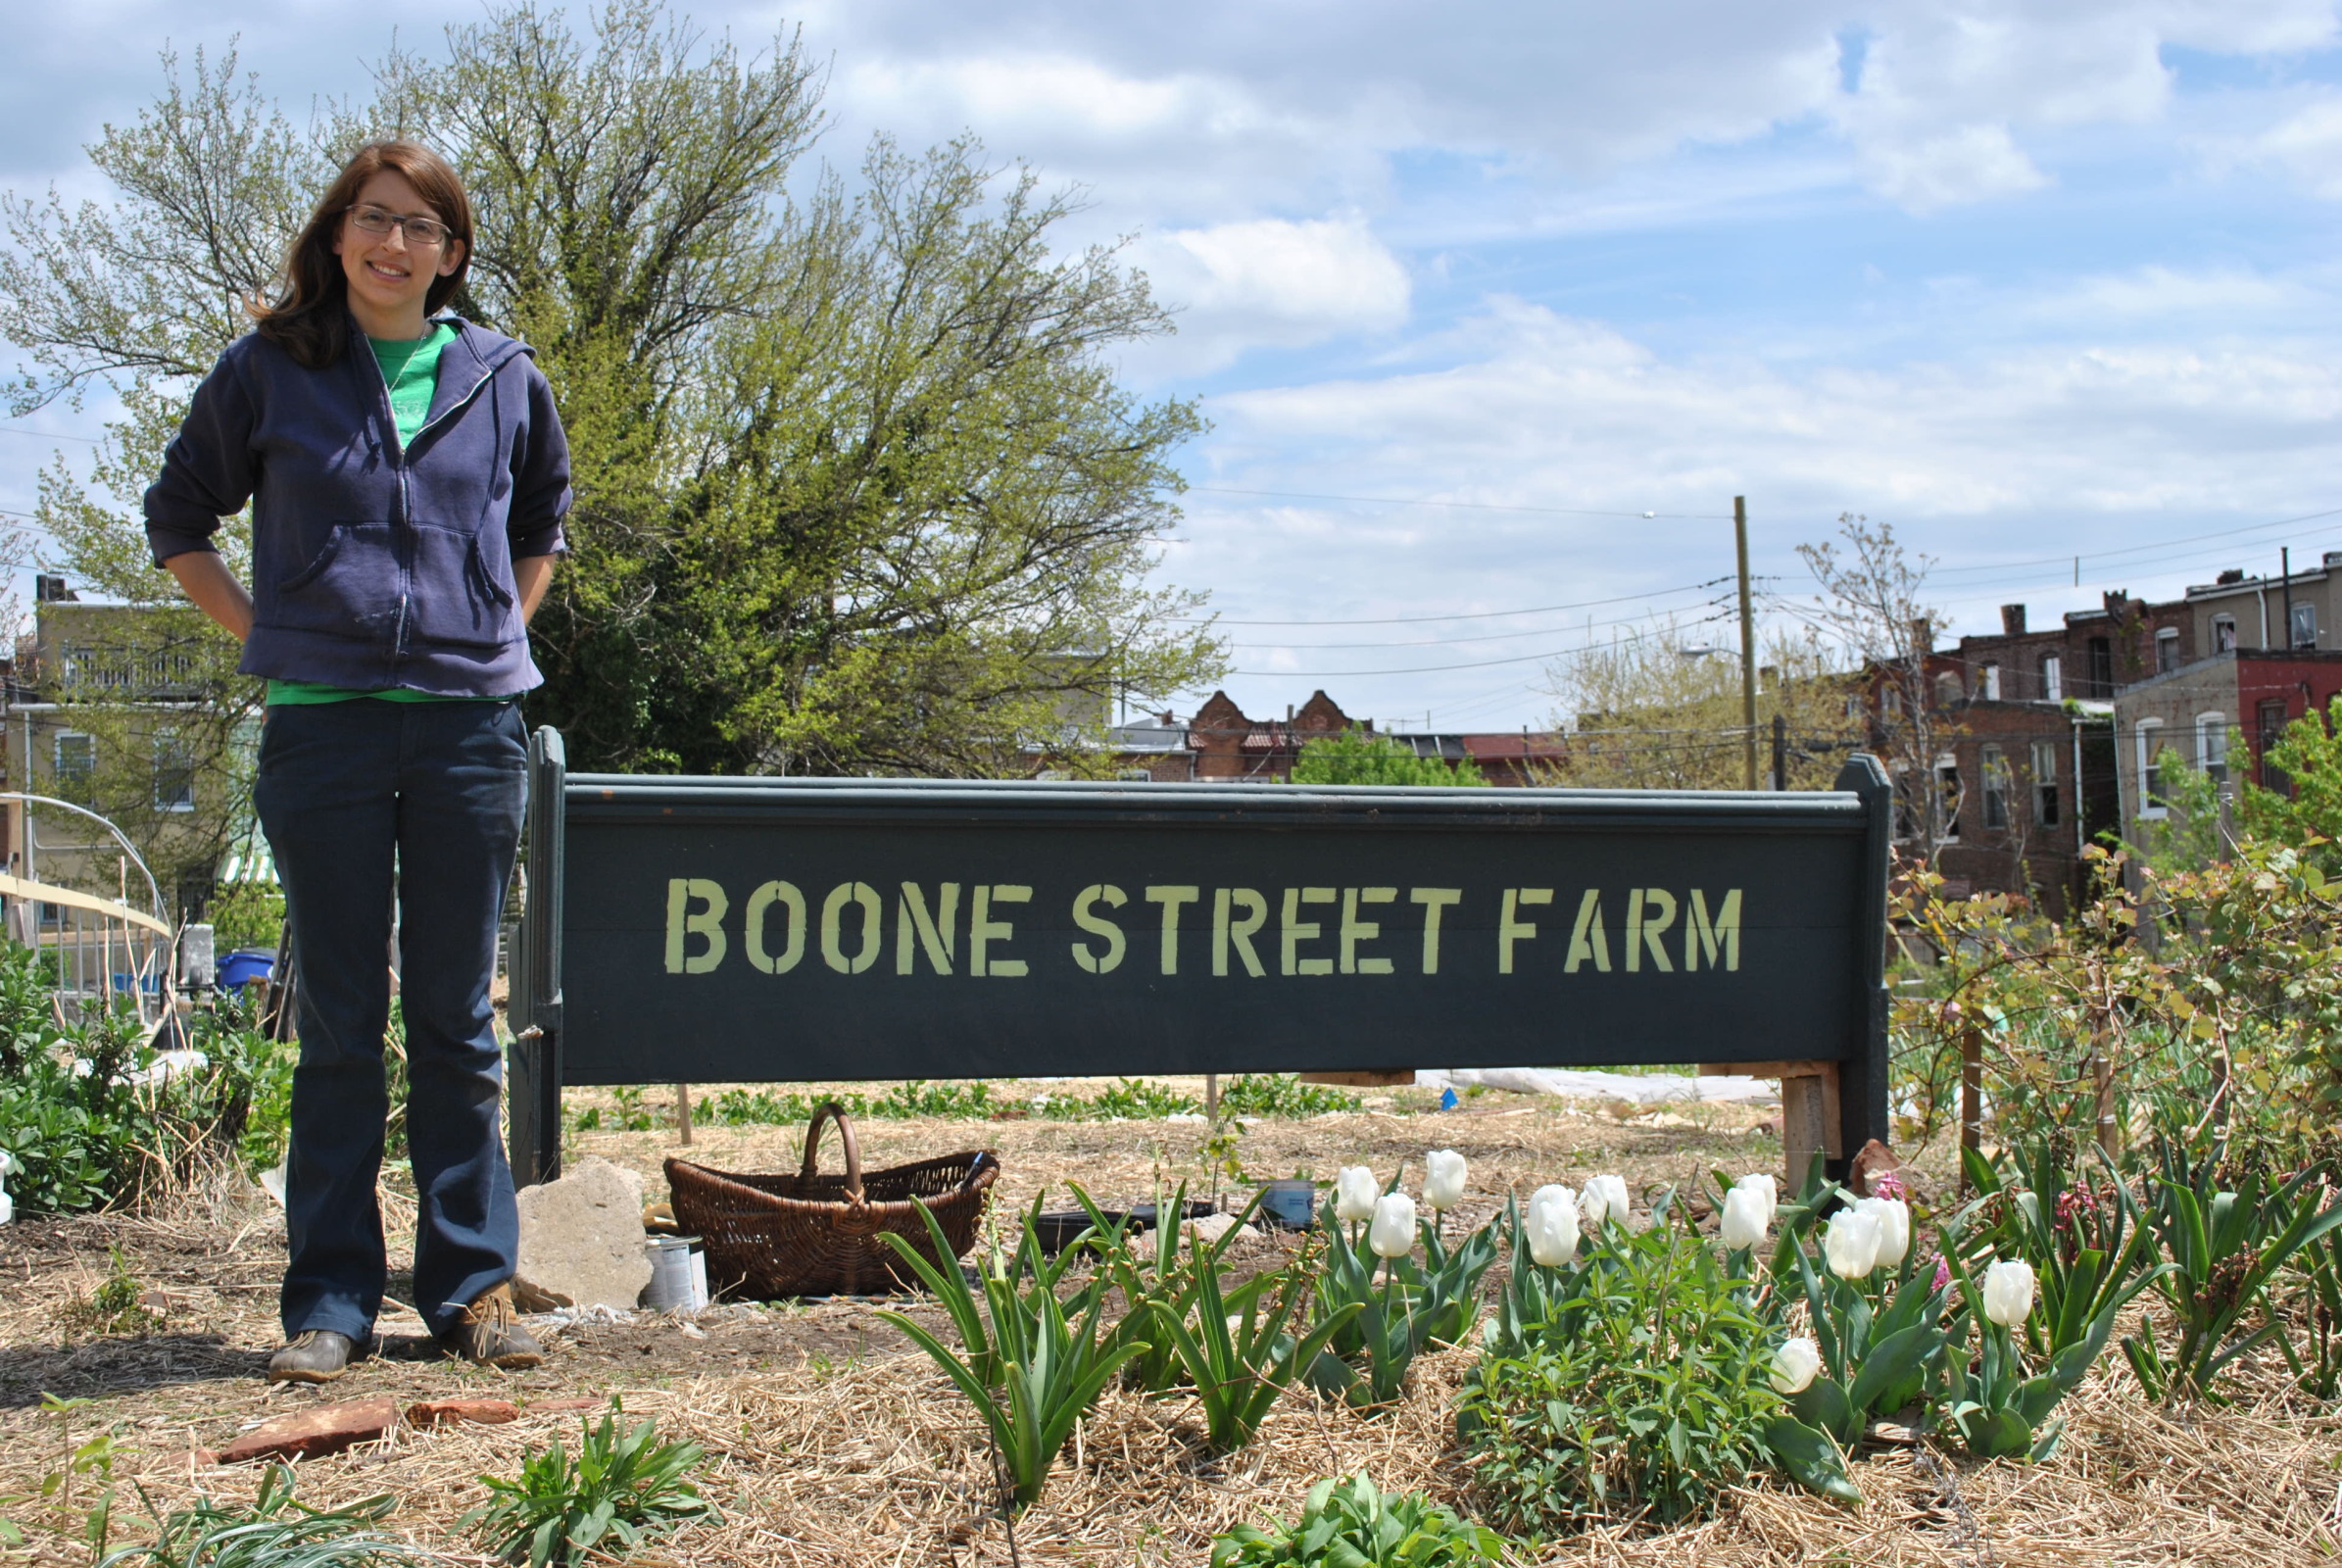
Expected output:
(115, 1305)
(1641, 1393)
(2225, 1249)
(1234, 1348)
(1367, 1356)
(1351, 1523)
(621, 1488)
(1356, 757)
(277, 1531)
(1875, 1356)
(2321, 1270)
(1283, 1095)
(2085, 1242)
(1162, 1282)
(1030, 1369)
(2000, 1411)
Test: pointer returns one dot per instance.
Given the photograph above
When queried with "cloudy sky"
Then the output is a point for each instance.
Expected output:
(1495, 306)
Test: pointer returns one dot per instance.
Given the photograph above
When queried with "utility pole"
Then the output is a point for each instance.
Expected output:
(1748, 738)
(2285, 573)
(1781, 752)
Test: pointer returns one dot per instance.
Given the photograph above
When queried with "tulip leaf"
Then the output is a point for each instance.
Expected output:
(1811, 1458)
(1823, 1403)
(1892, 1373)
(1994, 1434)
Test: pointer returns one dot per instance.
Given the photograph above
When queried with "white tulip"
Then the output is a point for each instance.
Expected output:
(1795, 1365)
(2009, 1293)
(1444, 1173)
(1552, 1226)
(1766, 1188)
(1745, 1220)
(1894, 1228)
(1354, 1192)
(1604, 1198)
(1392, 1232)
(1851, 1243)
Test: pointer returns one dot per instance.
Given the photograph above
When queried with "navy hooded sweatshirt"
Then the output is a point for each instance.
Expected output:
(373, 564)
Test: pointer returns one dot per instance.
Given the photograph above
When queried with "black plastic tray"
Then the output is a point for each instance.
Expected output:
(1057, 1228)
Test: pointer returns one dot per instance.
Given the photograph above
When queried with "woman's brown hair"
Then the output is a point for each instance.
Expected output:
(309, 315)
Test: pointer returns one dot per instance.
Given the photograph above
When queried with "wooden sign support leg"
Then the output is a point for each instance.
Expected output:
(1810, 1115)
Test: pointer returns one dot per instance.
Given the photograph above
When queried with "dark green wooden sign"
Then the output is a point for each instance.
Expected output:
(762, 930)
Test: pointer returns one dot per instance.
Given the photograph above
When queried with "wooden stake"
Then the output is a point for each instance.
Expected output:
(683, 1113)
(1748, 738)
(1971, 1096)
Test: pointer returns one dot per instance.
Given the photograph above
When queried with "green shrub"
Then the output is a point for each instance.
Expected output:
(621, 1488)
(1353, 1525)
(246, 915)
(1644, 1395)
(1355, 757)
(1282, 1094)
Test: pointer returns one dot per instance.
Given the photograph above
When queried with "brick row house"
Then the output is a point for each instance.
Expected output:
(2057, 731)
(1222, 745)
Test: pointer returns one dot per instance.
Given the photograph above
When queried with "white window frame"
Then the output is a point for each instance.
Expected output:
(2212, 746)
(2224, 634)
(164, 738)
(1992, 774)
(2305, 610)
(2167, 649)
(2045, 784)
(1992, 683)
(65, 780)
(2148, 739)
(2053, 678)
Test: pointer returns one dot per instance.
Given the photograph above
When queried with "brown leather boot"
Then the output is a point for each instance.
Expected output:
(490, 1334)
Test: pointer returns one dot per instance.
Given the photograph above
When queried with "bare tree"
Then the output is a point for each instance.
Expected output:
(1873, 601)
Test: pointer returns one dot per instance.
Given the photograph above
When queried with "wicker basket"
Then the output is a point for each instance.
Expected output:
(815, 1235)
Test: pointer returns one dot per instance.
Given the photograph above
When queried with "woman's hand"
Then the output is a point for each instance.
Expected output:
(204, 578)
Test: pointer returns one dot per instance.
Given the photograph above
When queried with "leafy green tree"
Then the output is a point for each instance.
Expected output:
(2308, 759)
(857, 489)
(1357, 758)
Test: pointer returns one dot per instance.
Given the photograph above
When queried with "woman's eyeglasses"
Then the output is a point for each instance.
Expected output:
(423, 233)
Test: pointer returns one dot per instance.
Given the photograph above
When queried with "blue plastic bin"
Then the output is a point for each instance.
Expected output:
(245, 965)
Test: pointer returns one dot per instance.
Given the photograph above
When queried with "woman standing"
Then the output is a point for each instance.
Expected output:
(408, 477)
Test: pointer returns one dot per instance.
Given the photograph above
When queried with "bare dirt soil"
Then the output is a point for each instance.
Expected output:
(833, 1443)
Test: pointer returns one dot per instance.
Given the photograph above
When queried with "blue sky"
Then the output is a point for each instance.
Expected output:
(2030, 281)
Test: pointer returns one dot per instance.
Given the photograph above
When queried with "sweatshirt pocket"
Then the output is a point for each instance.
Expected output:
(350, 588)
(457, 601)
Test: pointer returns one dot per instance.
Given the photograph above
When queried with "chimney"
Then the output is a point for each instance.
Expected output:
(2234, 574)
(2011, 620)
(1923, 634)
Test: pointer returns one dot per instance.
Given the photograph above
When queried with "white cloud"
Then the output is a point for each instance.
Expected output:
(1269, 281)
(1971, 164)
(2307, 144)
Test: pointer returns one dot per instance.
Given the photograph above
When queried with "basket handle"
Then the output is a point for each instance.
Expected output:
(831, 1110)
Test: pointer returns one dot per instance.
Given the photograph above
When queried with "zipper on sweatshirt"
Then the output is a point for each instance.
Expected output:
(398, 450)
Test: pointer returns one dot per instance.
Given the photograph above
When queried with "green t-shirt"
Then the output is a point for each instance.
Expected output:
(410, 369)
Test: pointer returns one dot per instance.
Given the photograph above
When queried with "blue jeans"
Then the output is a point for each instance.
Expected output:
(347, 793)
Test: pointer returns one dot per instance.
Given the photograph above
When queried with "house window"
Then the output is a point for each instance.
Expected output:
(175, 773)
(2271, 725)
(2053, 678)
(2102, 668)
(1853, 706)
(2211, 747)
(2304, 623)
(2167, 649)
(2224, 634)
(1891, 700)
(2045, 783)
(76, 763)
(2150, 768)
(1947, 689)
(1992, 683)
(1948, 795)
(1995, 769)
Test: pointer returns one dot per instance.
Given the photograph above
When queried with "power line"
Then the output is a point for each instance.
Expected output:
(2069, 558)
(1477, 506)
(46, 435)
(1475, 614)
(1430, 669)
(1489, 637)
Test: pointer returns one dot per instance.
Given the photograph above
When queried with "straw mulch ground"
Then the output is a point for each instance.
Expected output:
(833, 1444)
